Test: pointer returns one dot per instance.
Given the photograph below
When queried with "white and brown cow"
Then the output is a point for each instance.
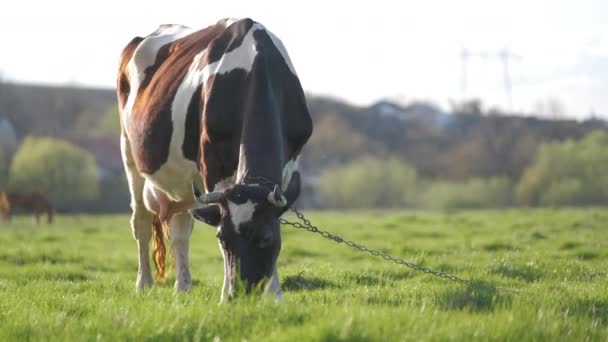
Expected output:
(220, 108)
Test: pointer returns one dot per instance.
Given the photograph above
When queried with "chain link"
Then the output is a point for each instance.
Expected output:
(307, 225)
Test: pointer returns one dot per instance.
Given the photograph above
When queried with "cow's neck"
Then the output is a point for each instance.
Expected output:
(261, 150)
(261, 154)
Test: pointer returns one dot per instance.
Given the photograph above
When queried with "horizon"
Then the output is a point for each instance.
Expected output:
(373, 53)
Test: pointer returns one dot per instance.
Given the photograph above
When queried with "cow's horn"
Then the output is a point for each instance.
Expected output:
(276, 197)
(211, 197)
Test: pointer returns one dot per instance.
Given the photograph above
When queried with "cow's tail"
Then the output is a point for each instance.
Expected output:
(160, 231)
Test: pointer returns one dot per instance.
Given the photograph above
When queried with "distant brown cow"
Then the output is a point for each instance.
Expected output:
(35, 202)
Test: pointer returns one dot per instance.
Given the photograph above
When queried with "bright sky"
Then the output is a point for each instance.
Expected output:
(359, 51)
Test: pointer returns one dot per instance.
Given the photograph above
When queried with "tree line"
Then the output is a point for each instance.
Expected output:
(568, 173)
(383, 155)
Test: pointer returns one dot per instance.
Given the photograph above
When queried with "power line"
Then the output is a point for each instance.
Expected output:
(504, 55)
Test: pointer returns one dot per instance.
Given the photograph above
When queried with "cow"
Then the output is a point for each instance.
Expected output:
(217, 116)
(35, 202)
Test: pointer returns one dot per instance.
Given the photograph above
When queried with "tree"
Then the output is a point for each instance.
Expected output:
(568, 173)
(495, 192)
(369, 183)
(334, 141)
(67, 173)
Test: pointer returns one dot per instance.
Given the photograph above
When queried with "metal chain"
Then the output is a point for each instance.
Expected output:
(311, 228)
(307, 225)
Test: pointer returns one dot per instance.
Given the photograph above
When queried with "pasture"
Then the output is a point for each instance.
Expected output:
(74, 280)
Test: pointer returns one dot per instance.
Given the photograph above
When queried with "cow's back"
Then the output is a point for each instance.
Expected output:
(149, 80)
(172, 79)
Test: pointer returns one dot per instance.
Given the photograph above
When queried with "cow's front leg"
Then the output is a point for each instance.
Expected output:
(179, 234)
(275, 286)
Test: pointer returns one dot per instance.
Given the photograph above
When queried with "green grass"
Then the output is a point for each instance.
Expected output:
(74, 280)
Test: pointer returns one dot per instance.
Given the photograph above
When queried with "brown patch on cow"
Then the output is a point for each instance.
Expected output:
(123, 86)
(150, 126)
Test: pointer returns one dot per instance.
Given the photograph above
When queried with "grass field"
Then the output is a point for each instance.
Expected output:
(74, 280)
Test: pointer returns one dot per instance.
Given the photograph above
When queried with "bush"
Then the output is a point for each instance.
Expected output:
(67, 173)
(107, 125)
(369, 183)
(475, 193)
(4, 166)
(563, 192)
(568, 173)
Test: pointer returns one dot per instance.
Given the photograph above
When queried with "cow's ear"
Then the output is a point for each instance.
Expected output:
(210, 214)
(293, 190)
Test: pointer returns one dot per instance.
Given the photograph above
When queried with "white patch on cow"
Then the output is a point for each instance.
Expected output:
(288, 170)
(224, 183)
(241, 213)
(175, 178)
(153, 200)
(226, 285)
(229, 21)
(129, 165)
(239, 58)
(179, 108)
(144, 56)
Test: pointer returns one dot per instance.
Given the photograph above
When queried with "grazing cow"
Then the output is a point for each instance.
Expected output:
(221, 109)
(35, 202)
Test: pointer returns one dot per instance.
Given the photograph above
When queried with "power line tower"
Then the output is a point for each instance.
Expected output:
(504, 55)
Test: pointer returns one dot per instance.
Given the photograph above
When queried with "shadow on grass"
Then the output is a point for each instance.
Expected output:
(67, 276)
(587, 255)
(373, 279)
(476, 297)
(332, 336)
(570, 245)
(49, 238)
(596, 310)
(429, 235)
(537, 235)
(90, 230)
(499, 246)
(60, 276)
(522, 272)
(300, 282)
(298, 252)
(57, 258)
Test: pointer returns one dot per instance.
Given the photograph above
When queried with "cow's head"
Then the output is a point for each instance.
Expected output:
(246, 217)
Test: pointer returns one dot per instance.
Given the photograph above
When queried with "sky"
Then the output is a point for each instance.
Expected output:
(358, 51)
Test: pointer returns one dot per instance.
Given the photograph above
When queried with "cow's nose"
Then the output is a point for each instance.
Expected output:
(265, 239)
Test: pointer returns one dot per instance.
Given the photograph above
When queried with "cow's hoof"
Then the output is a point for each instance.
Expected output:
(143, 283)
(278, 297)
(183, 287)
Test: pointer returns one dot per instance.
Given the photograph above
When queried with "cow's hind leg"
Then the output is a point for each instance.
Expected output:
(141, 218)
(180, 230)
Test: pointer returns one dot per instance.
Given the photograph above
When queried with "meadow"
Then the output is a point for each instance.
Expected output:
(74, 281)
